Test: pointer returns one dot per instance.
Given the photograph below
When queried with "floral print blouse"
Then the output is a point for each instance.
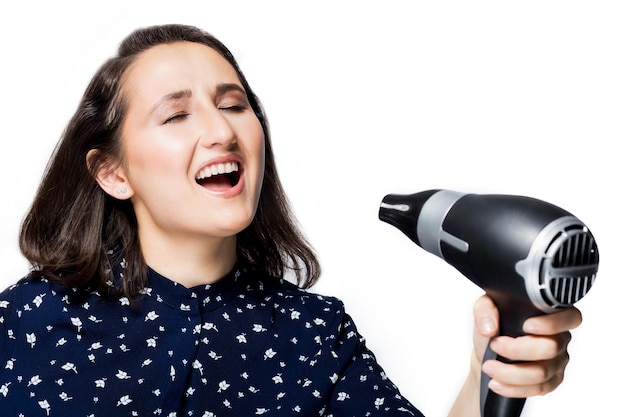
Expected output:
(248, 345)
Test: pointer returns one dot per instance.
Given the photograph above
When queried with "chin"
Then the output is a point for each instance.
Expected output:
(233, 226)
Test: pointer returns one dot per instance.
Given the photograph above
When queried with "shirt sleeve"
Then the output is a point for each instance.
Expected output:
(362, 388)
(7, 301)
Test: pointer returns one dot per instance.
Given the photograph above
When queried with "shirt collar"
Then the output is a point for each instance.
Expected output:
(198, 298)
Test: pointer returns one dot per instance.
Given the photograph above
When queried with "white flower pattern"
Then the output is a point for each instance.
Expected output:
(279, 351)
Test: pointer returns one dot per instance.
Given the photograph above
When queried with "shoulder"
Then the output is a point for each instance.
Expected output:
(283, 289)
(29, 285)
(323, 309)
(12, 294)
(16, 302)
(32, 294)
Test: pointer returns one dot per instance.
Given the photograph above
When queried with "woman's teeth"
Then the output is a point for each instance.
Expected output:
(217, 169)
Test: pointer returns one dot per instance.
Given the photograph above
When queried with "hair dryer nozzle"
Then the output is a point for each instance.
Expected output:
(402, 211)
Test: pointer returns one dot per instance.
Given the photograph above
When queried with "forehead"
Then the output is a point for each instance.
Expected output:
(177, 65)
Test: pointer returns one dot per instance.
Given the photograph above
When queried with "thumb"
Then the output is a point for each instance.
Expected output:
(486, 319)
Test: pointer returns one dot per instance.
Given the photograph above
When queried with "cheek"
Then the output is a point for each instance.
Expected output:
(150, 157)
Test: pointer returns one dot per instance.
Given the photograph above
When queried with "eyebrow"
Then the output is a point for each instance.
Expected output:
(228, 87)
(176, 95)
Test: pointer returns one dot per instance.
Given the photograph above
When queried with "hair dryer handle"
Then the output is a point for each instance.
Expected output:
(495, 405)
(513, 314)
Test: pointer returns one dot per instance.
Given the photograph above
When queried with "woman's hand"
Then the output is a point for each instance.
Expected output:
(543, 352)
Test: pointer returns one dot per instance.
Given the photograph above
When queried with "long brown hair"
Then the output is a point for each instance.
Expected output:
(74, 233)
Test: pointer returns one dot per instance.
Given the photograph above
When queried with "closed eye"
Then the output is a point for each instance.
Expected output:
(176, 118)
(235, 108)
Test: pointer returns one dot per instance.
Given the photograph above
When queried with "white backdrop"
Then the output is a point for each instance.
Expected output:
(366, 99)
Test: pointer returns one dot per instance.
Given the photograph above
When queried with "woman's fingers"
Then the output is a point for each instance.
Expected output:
(526, 379)
(554, 323)
(531, 348)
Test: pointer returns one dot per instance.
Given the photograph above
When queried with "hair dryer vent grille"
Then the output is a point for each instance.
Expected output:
(569, 267)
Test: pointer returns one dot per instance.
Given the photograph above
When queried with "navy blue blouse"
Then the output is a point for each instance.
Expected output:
(247, 345)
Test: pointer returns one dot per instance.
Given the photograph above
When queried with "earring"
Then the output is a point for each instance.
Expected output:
(122, 190)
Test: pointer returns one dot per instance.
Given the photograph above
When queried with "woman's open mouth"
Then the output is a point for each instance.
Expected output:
(219, 177)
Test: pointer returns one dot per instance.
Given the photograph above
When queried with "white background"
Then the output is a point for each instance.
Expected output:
(366, 99)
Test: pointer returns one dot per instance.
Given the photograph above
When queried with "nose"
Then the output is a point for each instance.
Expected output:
(215, 129)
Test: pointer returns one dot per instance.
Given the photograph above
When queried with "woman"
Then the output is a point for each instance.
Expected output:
(159, 238)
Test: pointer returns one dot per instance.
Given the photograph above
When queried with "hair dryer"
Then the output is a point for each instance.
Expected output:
(530, 257)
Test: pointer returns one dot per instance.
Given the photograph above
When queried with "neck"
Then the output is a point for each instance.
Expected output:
(190, 263)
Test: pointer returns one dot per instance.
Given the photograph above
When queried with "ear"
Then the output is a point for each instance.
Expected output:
(112, 179)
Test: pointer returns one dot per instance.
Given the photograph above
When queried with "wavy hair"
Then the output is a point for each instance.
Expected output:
(74, 233)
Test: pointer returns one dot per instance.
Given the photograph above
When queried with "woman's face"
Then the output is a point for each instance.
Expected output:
(193, 147)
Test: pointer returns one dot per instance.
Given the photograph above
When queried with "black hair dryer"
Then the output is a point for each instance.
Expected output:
(529, 256)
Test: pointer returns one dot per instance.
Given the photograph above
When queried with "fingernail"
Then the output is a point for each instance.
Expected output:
(486, 325)
(530, 327)
(488, 368)
(495, 345)
(494, 385)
